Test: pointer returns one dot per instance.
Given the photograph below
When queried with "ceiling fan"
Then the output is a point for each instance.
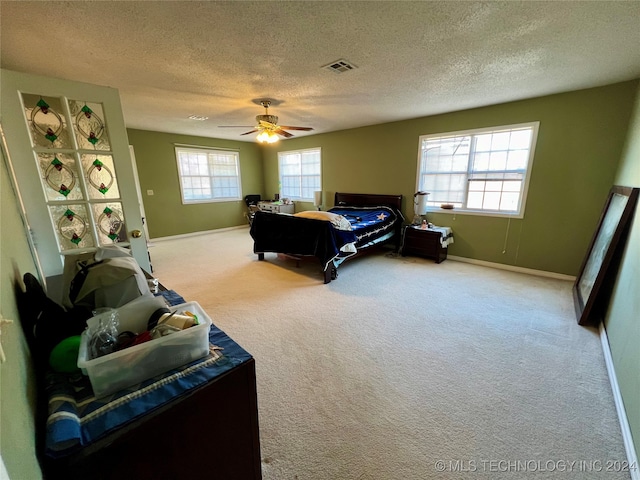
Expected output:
(268, 126)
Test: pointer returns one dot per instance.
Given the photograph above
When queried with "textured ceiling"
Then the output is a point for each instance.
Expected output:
(170, 60)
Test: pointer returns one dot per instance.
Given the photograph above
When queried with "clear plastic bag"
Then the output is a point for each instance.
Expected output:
(104, 338)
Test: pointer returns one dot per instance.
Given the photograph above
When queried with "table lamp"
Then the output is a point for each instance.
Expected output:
(419, 206)
(317, 198)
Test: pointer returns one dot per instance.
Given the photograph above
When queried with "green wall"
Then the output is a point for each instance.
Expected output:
(579, 145)
(17, 381)
(158, 171)
(623, 318)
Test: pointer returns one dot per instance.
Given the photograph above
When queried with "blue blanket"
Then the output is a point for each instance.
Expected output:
(371, 225)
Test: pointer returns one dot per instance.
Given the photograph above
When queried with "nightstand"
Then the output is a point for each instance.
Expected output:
(431, 243)
(276, 207)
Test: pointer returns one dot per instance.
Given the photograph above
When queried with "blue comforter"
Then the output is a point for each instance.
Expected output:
(371, 225)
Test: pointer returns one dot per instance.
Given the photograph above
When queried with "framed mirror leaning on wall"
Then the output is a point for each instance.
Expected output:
(611, 233)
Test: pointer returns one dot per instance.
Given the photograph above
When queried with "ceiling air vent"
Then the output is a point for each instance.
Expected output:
(340, 66)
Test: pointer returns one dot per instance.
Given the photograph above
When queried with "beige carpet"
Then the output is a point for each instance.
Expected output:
(405, 369)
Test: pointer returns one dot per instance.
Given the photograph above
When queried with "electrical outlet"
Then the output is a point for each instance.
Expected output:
(149, 192)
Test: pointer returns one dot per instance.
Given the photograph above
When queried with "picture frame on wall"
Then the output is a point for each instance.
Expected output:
(588, 289)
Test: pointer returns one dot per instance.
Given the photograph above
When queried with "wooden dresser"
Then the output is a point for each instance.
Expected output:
(210, 433)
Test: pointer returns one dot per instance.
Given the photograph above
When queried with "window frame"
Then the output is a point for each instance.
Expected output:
(208, 151)
(534, 126)
(301, 176)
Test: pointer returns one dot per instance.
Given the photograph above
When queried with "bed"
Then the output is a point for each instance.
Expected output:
(352, 227)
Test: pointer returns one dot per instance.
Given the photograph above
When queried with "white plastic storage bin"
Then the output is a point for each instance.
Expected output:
(124, 368)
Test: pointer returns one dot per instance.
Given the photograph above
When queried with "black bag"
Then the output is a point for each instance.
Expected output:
(44, 322)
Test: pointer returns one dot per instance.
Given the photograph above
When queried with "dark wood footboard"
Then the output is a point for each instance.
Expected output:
(330, 272)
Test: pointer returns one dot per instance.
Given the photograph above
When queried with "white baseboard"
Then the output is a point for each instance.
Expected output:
(512, 268)
(629, 446)
(195, 234)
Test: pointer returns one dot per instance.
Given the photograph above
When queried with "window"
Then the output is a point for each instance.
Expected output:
(484, 171)
(208, 175)
(299, 174)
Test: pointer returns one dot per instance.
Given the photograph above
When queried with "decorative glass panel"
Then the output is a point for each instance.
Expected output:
(71, 223)
(101, 176)
(46, 121)
(59, 176)
(89, 125)
(110, 223)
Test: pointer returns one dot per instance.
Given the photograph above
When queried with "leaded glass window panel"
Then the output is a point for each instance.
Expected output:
(72, 226)
(59, 176)
(89, 125)
(100, 176)
(110, 223)
(76, 183)
(47, 121)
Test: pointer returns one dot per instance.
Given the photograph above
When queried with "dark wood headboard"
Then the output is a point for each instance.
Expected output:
(368, 200)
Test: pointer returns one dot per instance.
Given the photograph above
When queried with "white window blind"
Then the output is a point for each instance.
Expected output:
(208, 175)
(483, 171)
(300, 173)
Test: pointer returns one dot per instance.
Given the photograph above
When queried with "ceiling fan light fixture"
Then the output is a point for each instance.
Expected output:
(267, 126)
(267, 137)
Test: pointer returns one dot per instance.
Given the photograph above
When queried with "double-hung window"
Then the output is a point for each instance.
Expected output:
(484, 171)
(300, 174)
(208, 175)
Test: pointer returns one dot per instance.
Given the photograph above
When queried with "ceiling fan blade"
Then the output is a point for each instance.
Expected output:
(305, 129)
(247, 133)
(235, 126)
(279, 131)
